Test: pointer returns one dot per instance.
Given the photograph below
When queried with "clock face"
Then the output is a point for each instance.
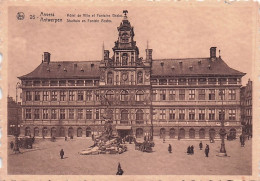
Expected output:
(124, 76)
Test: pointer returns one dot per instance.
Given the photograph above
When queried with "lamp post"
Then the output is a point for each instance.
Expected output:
(222, 131)
(16, 132)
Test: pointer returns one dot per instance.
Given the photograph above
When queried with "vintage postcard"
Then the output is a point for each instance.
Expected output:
(127, 90)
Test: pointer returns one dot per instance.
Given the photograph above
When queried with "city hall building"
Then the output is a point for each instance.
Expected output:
(172, 98)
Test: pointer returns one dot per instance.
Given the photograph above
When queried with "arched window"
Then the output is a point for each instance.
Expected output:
(124, 95)
(109, 78)
(27, 131)
(202, 133)
(191, 133)
(36, 131)
(125, 37)
(110, 95)
(139, 115)
(139, 96)
(124, 59)
(53, 132)
(140, 77)
(162, 132)
(124, 115)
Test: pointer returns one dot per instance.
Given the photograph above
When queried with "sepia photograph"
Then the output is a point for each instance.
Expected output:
(131, 90)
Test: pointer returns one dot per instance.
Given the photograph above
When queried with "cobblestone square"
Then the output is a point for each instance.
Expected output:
(44, 159)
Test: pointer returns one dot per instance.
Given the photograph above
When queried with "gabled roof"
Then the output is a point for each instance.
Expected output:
(65, 69)
(192, 67)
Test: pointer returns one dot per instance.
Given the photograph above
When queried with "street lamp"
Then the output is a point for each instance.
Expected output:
(222, 131)
(16, 132)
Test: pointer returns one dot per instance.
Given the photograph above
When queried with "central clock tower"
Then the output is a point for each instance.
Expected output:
(125, 67)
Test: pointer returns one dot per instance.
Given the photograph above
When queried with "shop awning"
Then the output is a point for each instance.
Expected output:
(123, 127)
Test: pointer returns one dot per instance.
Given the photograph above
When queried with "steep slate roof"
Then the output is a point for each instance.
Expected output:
(73, 69)
(171, 67)
(192, 67)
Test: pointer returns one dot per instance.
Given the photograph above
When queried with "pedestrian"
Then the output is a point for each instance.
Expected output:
(163, 139)
(201, 145)
(170, 148)
(66, 138)
(207, 151)
(119, 170)
(192, 149)
(61, 154)
(188, 150)
(12, 145)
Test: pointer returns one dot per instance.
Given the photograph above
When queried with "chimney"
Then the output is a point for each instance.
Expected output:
(149, 53)
(213, 52)
(106, 54)
(47, 57)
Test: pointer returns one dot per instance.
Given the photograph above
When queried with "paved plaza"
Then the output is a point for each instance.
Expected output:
(44, 159)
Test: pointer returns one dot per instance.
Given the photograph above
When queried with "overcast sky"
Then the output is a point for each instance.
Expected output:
(172, 32)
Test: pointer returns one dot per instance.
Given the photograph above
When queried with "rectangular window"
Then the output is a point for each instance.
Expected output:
(154, 95)
(232, 94)
(54, 83)
(173, 81)
(28, 113)
(202, 81)
(71, 82)
(222, 81)
(201, 114)
(54, 95)
(182, 81)
(36, 83)
(191, 114)
(89, 95)
(45, 114)
(212, 81)
(97, 95)
(211, 114)
(80, 82)
(71, 113)
(45, 83)
(154, 114)
(62, 95)
(80, 95)
(221, 115)
(89, 114)
(162, 114)
(172, 114)
(181, 114)
(36, 114)
(28, 83)
(202, 94)
(37, 96)
(212, 94)
(62, 83)
(45, 95)
(192, 81)
(62, 113)
(232, 114)
(182, 94)
(172, 94)
(192, 94)
(28, 96)
(221, 94)
(97, 113)
(53, 114)
(89, 83)
(163, 95)
(232, 81)
(80, 113)
(162, 81)
(96, 82)
(71, 95)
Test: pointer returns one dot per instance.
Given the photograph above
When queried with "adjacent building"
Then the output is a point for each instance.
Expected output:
(246, 107)
(172, 98)
(14, 111)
